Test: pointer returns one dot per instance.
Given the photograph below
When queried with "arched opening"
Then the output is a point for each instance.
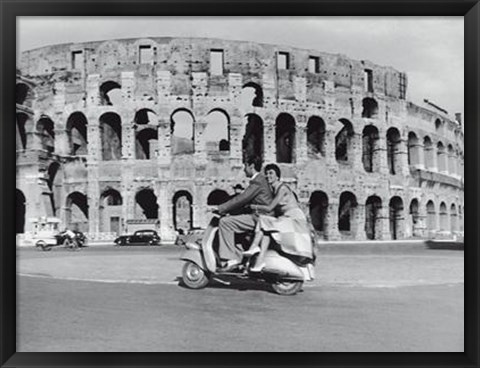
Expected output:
(285, 138)
(373, 207)
(318, 206)
(443, 217)
(347, 212)
(460, 218)
(20, 204)
(343, 141)
(217, 197)
(252, 142)
(182, 124)
(413, 149)
(315, 137)
(146, 140)
(438, 126)
(54, 182)
(252, 95)
(21, 93)
(370, 108)
(396, 217)
(110, 211)
(77, 133)
(111, 136)
(217, 132)
(452, 160)
(111, 94)
(145, 116)
(453, 218)
(182, 211)
(371, 149)
(21, 132)
(46, 130)
(414, 215)
(393, 150)
(428, 153)
(441, 157)
(146, 206)
(77, 212)
(431, 216)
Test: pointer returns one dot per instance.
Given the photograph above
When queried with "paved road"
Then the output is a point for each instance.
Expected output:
(403, 301)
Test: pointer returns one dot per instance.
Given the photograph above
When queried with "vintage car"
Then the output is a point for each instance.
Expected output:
(139, 237)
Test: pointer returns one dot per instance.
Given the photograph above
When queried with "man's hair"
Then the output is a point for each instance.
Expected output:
(255, 161)
(274, 168)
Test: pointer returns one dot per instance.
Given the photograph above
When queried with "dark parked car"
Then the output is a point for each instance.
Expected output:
(140, 237)
(76, 241)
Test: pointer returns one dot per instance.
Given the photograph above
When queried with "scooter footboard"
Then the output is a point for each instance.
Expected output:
(195, 256)
(276, 264)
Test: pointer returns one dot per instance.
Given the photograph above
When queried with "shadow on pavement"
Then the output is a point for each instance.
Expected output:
(446, 245)
(233, 283)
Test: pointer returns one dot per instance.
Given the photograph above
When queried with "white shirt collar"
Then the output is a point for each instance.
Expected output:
(254, 176)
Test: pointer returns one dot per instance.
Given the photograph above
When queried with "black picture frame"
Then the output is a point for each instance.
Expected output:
(10, 9)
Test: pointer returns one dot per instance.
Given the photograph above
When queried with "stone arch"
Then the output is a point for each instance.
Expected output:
(182, 210)
(146, 206)
(396, 218)
(110, 211)
(439, 126)
(182, 126)
(413, 149)
(431, 216)
(252, 142)
(428, 153)
(23, 94)
(252, 95)
(217, 196)
(414, 211)
(145, 116)
(21, 131)
(370, 108)
(453, 218)
(318, 210)
(146, 139)
(110, 93)
(77, 134)
(217, 131)
(76, 214)
(452, 160)
(371, 149)
(443, 217)
(393, 150)
(347, 213)
(20, 205)
(441, 157)
(54, 183)
(111, 136)
(373, 208)
(285, 138)
(315, 137)
(343, 141)
(46, 129)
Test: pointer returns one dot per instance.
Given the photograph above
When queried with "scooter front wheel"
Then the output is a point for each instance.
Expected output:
(287, 287)
(193, 276)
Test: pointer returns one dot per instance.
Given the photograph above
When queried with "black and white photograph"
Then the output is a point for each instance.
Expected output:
(240, 184)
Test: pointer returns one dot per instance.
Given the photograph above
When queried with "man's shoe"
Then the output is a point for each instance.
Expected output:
(258, 268)
(230, 265)
(251, 251)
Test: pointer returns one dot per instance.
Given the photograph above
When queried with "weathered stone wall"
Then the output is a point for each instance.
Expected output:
(115, 178)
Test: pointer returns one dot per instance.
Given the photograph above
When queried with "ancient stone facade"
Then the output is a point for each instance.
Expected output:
(145, 132)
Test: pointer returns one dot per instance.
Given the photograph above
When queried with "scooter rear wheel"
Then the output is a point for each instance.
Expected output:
(287, 287)
(193, 276)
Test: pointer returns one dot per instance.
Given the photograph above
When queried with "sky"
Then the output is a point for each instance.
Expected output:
(429, 49)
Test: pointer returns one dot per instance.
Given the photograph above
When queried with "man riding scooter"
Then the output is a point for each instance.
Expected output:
(257, 193)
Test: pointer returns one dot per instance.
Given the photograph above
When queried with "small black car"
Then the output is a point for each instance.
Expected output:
(140, 237)
(78, 240)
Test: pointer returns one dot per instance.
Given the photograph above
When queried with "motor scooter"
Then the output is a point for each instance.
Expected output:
(202, 265)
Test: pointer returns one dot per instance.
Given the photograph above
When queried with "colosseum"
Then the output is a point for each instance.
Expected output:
(118, 135)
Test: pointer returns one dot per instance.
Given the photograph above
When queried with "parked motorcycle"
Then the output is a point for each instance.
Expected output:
(202, 265)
